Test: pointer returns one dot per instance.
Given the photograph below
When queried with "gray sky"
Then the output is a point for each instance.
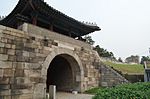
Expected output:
(125, 24)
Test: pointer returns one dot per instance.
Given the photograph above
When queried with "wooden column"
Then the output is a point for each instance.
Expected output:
(34, 17)
(51, 27)
(19, 25)
(34, 20)
(70, 31)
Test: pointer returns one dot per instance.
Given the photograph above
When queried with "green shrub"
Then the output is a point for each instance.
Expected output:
(126, 91)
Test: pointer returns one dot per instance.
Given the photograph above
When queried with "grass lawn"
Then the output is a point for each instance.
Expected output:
(127, 68)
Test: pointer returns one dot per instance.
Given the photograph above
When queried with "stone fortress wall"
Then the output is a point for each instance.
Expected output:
(25, 56)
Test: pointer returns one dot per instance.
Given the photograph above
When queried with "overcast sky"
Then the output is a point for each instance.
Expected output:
(125, 24)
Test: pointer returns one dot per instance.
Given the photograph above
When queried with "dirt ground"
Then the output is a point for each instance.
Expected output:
(62, 95)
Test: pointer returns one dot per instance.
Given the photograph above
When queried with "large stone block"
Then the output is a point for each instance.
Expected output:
(3, 50)
(12, 58)
(8, 45)
(23, 91)
(26, 96)
(4, 80)
(4, 87)
(25, 53)
(39, 94)
(46, 52)
(35, 73)
(2, 44)
(21, 86)
(6, 97)
(41, 55)
(20, 59)
(10, 41)
(8, 73)
(19, 52)
(26, 73)
(14, 46)
(19, 73)
(5, 64)
(5, 92)
(3, 40)
(37, 80)
(33, 66)
(11, 52)
(32, 54)
(37, 59)
(3, 57)
(30, 45)
(18, 65)
(16, 92)
(22, 80)
(15, 97)
(19, 44)
(29, 49)
(1, 72)
(19, 80)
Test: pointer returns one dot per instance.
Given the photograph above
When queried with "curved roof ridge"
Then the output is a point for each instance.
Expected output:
(88, 24)
(25, 10)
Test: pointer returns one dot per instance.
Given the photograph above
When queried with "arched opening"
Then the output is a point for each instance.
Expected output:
(64, 72)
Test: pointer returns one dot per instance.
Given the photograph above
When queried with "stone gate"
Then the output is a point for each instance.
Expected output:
(29, 63)
(40, 46)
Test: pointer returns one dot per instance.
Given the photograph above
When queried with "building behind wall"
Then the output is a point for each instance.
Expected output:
(133, 59)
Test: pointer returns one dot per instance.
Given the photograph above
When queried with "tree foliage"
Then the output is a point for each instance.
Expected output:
(89, 40)
(103, 52)
(119, 59)
(145, 58)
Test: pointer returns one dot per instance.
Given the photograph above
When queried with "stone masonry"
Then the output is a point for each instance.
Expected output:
(26, 54)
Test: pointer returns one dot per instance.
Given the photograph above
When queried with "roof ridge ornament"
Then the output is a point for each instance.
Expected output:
(90, 23)
(2, 17)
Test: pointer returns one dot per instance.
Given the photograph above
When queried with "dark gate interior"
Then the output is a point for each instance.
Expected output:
(60, 74)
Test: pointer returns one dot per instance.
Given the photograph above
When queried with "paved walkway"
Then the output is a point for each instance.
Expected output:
(62, 95)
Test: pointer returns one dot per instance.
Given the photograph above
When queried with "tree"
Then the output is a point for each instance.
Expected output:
(145, 58)
(120, 60)
(103, 52)
(89, 40)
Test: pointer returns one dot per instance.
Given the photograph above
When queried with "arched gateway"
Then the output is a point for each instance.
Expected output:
(64, 69)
